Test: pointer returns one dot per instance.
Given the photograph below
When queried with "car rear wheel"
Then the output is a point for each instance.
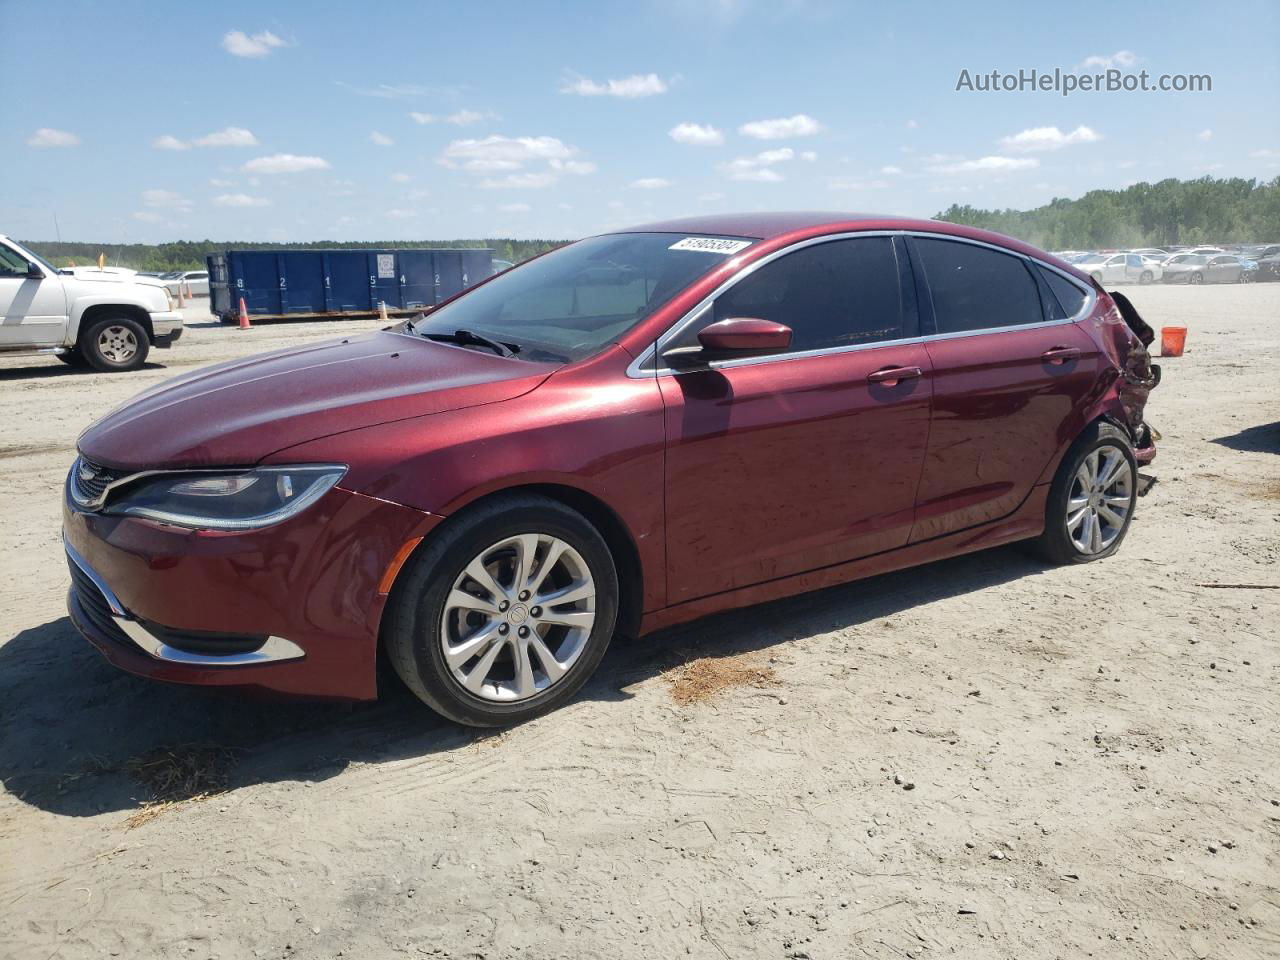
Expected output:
(1146, 277)
(114, 345)
(505, 613)
(1092, 499)
(1196, 278)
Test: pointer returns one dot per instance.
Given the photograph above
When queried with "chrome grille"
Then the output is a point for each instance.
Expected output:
(89, 482)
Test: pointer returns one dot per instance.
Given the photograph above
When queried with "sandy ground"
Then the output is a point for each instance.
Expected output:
(1092, 751)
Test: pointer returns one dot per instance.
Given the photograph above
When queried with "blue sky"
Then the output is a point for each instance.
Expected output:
(147, 122)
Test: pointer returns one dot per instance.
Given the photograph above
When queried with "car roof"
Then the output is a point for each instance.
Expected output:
(794, 225)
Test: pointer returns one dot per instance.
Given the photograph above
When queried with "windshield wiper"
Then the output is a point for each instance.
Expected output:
(469, 338)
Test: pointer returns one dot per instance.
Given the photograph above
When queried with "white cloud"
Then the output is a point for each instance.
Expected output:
(1205, 135)
(381, 139)
(800, 125)
(985, 165)
(758, 169)
(576, 167)
(1108, 61)
(165, 200)
(400, 178)
(240, 200)
(891, 171)
(514, 207)
(285, 163)
(240, 44)
(49, 137)
(147, 216)
(636, 85)
(503, 153)
(696, 135)
(417, 117)
(1036, 139)
(464, 118)
(650, 183)
(399, 214)
(519, 181)
(228, 137)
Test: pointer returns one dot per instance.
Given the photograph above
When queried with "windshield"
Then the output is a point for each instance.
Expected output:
(571, 302)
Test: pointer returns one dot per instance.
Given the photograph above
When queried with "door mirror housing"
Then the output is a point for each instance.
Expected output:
(732, 338)
(34, 271)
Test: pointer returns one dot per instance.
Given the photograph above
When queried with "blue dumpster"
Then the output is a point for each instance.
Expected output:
(320, 283)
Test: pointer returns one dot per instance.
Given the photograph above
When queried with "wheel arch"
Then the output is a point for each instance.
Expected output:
(617, 537)
(105, 311)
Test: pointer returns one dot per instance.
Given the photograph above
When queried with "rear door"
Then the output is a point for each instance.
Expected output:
(1009, 367)
(786, 463)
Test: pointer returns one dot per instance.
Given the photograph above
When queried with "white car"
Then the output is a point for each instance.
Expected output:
(1120, 268)
(179, 281)
(104, 318)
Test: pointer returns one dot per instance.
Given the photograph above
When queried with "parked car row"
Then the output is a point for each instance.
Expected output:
(1206, 264)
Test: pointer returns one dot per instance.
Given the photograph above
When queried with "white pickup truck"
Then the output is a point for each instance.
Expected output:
(104, 318)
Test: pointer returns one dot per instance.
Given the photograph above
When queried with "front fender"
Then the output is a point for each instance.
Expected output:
(80, 305)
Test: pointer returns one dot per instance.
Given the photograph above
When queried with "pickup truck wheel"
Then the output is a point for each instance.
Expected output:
(1092, 499)
(115, 344)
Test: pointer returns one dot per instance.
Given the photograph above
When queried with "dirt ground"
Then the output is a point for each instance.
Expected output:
(985, 757)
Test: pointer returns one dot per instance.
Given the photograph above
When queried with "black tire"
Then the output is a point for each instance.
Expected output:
(1196, 278)
(411, 631)
(1055, 544)
(1146, 278)
(114, 345)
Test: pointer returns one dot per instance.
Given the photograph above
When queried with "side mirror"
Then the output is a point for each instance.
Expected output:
(34, 271)
(729, 339)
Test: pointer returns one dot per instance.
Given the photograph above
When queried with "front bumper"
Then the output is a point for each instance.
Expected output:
(291, 609)
(164, 324)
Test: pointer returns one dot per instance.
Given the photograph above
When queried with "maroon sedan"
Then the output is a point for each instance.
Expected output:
(632, 431)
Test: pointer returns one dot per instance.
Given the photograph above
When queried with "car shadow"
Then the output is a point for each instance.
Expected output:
(1264, 438)
(72, 727)
(56, 368)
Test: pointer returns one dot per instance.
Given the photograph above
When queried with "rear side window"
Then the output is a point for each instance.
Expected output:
(977, 288)
(1068, 299)
(835, 294)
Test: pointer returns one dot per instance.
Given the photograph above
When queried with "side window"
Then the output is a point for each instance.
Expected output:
(1134, 260)
(11, 265)
(835, 294)
(977, 288)
(1068, 299)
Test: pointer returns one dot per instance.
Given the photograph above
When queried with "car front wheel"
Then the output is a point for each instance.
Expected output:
(1196, 278)
(114, 345)
(1092, 499)
(505, 613)
(1147, 277)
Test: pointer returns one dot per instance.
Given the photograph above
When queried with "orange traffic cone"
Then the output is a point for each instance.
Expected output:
(244, 316)
(187, 294)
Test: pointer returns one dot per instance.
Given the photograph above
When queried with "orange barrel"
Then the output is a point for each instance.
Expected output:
(1172, 340)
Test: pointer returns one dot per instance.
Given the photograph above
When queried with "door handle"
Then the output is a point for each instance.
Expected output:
(890, 376)
(1060, 355)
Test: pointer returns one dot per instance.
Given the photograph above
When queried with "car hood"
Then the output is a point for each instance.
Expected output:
(112, 275)
(236, 413)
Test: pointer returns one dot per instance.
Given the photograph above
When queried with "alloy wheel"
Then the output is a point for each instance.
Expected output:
(117, 343)
(518, 617)
(1100, 499)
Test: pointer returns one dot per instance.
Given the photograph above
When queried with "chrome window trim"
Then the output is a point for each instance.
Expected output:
(635, 369)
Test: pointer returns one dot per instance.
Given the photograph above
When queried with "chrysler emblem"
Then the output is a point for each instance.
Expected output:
(87, 472)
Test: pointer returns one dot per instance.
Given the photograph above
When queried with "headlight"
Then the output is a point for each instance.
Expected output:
(231, 500)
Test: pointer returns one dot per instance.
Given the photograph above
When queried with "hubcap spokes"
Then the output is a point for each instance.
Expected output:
(518, 617)
(1100, 499)
(117, 344)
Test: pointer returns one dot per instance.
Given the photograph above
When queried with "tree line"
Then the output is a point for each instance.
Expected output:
(1206, 210)
(190, 254)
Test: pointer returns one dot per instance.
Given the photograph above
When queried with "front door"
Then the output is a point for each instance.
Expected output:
(1007, 378)
(33, 310)
(781, 464)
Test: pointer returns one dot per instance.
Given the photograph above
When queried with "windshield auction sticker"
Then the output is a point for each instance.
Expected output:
(710, 245)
